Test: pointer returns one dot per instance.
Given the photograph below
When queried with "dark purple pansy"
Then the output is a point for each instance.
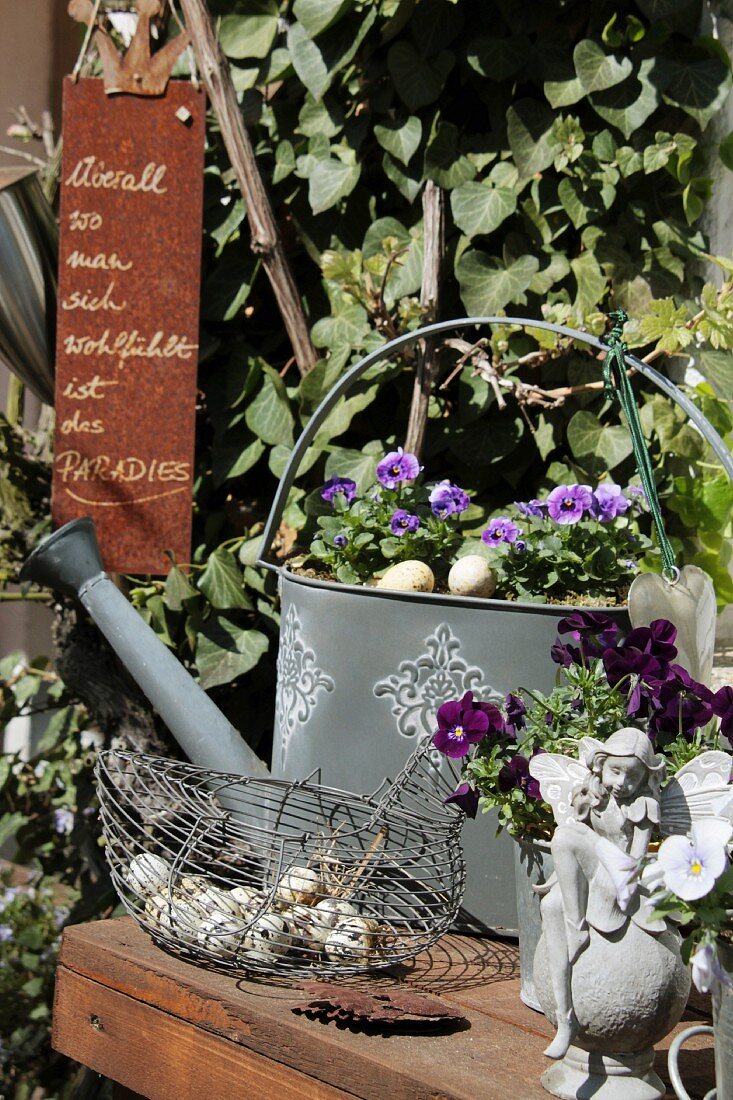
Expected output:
(593, 631)
(637, 672)
(447, 499)
(656, 639)
(680, 704)
(397, 466)
(466, 798)
(340, 541)
(491, 710)
(336, 486)
(609, 502)
(501, 529)
(460, 725)
(534, 508)
(723, 708)
(515, 774)
(402, 523)
(561, 655)
(515, 715)
(569, 503)
(519, 546)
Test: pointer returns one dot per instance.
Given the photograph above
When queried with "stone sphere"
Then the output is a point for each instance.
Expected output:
(628, 990)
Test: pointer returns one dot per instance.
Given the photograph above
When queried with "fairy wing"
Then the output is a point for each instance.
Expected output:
(699, 789)
(558, 777)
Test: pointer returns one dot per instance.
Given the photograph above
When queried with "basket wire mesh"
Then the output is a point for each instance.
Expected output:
(274, 877)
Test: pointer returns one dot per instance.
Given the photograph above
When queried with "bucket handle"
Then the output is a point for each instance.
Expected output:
(674, 1074)
(347, 380)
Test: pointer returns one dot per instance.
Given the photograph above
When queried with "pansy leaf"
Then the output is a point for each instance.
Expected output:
(480, 208)
(487, 284)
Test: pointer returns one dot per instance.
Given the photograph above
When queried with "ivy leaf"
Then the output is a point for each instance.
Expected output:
(627, 106)
(269, 416)
(222, 583)
(407, 186)
(497, 58)
(717, 366)
(308, 60)
(487, 285)
(590, 281)
(563, 93)
(665, 325)
(318, 15)
(330, 181)
(529, 127)
(225, 651)
(443, 163)
(229, 285)
(345, 328)
(598, 70)
(360, 466)
(480, 208)
(401, 139)
(595, 445)
(250, 34)
(700, 88)
(436, 26)
(231, 458)
(418, 82)
(178, 590)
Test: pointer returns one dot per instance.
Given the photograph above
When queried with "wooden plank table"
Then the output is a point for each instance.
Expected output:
(164, 1029)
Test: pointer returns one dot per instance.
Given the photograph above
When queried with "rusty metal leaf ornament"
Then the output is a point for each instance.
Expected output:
(360, 1007)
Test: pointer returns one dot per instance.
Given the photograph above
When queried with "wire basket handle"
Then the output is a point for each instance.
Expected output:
(344, 384)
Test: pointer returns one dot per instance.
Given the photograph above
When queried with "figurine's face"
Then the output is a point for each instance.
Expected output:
(623, 775)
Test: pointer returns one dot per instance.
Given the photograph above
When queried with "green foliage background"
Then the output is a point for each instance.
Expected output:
(571, 142)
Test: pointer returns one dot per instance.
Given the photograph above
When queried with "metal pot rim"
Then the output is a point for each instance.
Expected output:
(447, 600)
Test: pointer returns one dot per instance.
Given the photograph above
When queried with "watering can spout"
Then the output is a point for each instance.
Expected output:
(69, 562)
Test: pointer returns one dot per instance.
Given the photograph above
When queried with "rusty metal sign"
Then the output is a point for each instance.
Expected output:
(128, 313)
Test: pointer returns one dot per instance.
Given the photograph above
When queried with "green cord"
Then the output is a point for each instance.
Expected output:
(618, 388)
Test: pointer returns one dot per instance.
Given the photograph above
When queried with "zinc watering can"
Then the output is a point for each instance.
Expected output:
(69, 561)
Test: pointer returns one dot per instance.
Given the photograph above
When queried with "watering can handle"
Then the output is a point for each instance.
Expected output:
(674, 1074)
(354, 373)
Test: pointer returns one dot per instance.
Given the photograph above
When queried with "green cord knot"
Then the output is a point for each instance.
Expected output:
(618, 388)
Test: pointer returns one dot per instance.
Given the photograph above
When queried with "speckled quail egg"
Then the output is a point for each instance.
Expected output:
(472, 576)
(219, 933)
(176, 917)
(267, 938)
(408, 576)
(351, 941)
(211, 899)
(326, 915)
(249, 899)
(298, 886)
(147, 874)
(299, 922)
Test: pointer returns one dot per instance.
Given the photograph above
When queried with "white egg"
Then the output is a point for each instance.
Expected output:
(209, 898)
(299, 921)
(249, 900)
(327, 915)
(472, 576)
(298, 886)
(351, 941)
(267, 938)
(148, 874)
(408, 576)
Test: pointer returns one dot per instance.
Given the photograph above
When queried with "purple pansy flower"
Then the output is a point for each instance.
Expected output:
(63, 820)
(569, 503)
(515, 773)
(338, 485)
(561, 654)
(593, 631)
(515, 714)
(681, 705)
(531, 508)
(608, 502)
(501, 530)
(723, 708)
(640, 670)
(656, 639)
(460, 725)
(447, 499)
(466, 798)
(397, 466)
(402, 523)
(519, 546)
(340, 541)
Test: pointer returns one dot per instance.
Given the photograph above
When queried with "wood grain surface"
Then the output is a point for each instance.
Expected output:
(171, 1031)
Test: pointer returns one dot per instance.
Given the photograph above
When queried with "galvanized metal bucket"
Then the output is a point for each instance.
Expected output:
(362, 671)
(28, 248)
(722, 1030)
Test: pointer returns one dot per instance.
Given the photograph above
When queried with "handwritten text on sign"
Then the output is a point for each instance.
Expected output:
(127, 344)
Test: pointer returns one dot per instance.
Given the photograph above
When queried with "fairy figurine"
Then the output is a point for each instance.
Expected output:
(609, 795)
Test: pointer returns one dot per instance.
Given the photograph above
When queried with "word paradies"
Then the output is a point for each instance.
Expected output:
(127, 334)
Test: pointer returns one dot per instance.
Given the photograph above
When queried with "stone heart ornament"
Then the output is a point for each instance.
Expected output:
(690, 604)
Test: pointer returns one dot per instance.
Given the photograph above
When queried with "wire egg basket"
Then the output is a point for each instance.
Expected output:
(277, 877)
